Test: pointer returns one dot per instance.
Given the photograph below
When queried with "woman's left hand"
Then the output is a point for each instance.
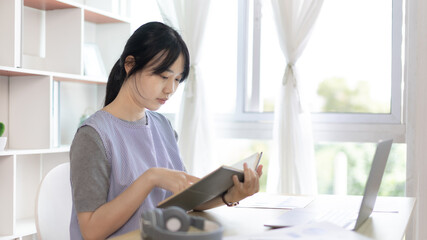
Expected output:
(248, 187)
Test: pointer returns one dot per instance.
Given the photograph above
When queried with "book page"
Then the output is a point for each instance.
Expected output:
(252, 162)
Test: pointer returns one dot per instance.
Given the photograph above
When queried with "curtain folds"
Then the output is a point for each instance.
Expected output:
(189, 17)
(292, 170)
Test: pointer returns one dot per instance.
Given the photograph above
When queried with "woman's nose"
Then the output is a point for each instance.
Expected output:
(170, 86)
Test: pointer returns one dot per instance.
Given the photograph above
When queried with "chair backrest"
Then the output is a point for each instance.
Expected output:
(53, 204)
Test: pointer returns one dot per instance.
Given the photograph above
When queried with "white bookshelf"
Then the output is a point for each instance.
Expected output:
(44, 91)
(10, 24)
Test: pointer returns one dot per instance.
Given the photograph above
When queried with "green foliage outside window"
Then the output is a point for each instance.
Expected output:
(359, 158)
(339, 97)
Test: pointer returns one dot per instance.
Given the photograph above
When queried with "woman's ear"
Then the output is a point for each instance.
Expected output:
(129, 63)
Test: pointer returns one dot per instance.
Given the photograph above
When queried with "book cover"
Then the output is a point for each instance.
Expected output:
(210, 186)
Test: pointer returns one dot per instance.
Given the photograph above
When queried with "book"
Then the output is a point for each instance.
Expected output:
(210, 186)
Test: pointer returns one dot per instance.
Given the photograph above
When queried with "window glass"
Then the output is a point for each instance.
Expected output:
(346, 66)
(348, 57)
(343, 168)
(272, 63)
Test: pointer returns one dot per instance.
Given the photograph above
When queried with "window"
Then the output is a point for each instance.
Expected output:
(353, 74)
(361, 78)
(351, 68)
(350, 72)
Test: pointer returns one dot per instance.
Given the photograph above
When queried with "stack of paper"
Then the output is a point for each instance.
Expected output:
(265, 200)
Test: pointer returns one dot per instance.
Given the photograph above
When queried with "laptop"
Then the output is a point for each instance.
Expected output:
(343, 217)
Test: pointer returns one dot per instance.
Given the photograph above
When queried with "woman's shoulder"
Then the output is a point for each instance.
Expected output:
(99, 117)
(156, 116)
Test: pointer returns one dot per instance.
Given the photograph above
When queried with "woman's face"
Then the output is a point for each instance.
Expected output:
(149, 90)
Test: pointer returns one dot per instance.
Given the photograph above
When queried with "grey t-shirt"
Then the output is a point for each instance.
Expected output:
(87, 142)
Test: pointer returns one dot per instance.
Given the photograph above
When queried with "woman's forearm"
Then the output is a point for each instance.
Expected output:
(109, 217)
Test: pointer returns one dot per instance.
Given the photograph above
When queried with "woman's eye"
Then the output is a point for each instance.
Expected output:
(178, 80)
(164, 77)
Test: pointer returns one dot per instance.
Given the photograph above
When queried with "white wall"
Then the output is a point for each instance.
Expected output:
(416, 87)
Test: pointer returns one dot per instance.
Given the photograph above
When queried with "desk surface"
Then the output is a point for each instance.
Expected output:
(388, 221)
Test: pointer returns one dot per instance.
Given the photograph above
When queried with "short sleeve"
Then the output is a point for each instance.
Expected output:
(90, 170)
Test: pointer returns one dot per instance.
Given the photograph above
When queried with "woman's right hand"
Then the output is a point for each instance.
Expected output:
(171, 180)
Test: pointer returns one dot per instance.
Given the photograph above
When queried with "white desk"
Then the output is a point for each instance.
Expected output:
(388, 221)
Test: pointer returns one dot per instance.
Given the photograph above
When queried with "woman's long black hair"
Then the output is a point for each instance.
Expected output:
(148, 41)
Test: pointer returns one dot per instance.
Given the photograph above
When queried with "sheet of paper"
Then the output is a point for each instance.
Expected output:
(311, 231)
(265, 200)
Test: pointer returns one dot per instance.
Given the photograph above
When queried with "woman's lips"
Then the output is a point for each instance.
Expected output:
(162, 100)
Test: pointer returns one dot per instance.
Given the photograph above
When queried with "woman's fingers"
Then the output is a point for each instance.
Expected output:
(172, 180)
(236, 181)
(250, 185)
(259, 170)
(192, 179)
(248, 174)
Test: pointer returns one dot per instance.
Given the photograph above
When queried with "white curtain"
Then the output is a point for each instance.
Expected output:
(293, 170)
(189, 17)
(416, 115)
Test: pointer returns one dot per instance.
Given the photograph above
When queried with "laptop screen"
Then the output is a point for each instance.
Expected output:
(374, 181)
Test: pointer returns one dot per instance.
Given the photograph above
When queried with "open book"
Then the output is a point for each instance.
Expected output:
(210, 186)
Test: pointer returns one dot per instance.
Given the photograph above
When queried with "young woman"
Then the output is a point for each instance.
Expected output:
(124, 158)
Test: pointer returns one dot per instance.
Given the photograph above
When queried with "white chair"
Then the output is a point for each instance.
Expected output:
(53, 204)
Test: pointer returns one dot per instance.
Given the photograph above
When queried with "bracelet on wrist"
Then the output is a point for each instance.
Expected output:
(229, 204)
